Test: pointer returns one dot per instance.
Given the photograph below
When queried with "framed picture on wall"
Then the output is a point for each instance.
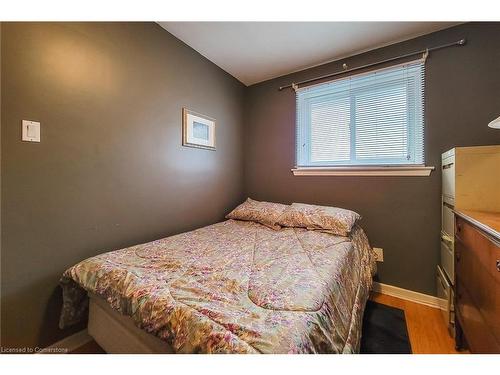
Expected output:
(197, 130)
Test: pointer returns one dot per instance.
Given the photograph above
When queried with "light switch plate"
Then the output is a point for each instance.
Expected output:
(379, 254)
(31, 131)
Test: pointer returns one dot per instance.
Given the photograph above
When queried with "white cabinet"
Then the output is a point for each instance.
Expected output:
(447, 216)
(470, 181)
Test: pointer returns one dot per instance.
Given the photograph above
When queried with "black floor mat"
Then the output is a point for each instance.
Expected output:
(384, 330)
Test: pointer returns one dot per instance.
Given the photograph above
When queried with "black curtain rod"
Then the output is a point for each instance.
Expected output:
(295, 85)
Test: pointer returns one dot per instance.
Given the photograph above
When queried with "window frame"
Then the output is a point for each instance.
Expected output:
(377, 167)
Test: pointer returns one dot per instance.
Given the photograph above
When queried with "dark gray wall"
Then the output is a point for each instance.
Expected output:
(400, 214)
(0, 173)
(110, 171)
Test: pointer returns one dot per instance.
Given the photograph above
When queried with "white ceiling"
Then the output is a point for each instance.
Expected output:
(256, 51)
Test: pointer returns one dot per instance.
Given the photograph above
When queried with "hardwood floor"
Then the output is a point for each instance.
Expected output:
(426, 328)
(89, 348)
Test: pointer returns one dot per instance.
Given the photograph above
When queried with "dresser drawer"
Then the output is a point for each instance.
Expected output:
(477, 287)
(448, 177)
(448, 220)
(479, 335)
(443, 288)
(465, 232)
(447, 261)
(484, 250)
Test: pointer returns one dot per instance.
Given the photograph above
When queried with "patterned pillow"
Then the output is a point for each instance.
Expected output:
(332, 220)
(266, 213)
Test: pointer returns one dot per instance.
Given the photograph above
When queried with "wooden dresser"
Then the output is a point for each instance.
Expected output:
(477, 281)
(470, 181)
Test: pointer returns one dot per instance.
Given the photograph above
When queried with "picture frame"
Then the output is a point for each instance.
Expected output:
(198, 130)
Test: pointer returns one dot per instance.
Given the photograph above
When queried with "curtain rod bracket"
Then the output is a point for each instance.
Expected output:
(425, 55)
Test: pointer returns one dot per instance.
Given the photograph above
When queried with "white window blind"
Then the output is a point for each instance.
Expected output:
(375, 118)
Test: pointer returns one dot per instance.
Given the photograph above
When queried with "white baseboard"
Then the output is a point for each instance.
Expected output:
(69, 344)
(410, 295)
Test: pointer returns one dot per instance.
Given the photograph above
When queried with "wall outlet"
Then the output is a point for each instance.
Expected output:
(379, 254)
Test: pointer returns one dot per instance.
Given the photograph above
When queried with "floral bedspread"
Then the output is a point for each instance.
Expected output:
(235, 287)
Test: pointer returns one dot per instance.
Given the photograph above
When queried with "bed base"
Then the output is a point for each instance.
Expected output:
(117, 334)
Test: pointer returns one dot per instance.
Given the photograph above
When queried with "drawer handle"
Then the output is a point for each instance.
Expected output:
(447, 240)
(446, 204)
(446, 166)
(498, 265)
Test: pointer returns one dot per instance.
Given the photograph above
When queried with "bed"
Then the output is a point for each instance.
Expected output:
(232, 287)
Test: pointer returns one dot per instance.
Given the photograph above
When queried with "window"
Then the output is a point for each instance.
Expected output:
(370, 119)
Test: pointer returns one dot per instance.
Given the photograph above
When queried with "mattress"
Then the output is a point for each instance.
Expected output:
(234, 287)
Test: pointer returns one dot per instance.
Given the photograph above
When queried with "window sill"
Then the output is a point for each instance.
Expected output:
(363, 171)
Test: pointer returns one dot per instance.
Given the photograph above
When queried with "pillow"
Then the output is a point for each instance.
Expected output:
(332, 220)
(266, 213)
